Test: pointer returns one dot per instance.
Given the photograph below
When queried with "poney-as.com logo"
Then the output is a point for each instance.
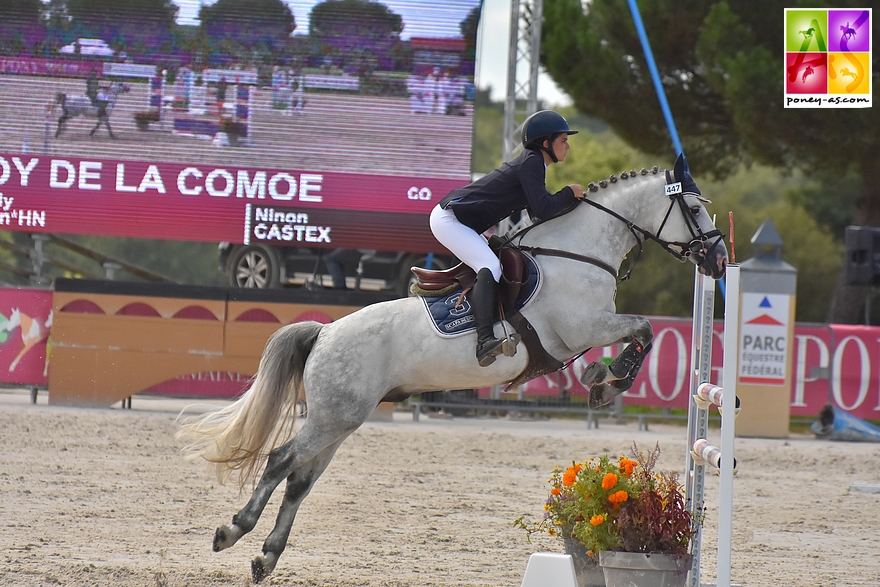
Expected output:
(828, 58)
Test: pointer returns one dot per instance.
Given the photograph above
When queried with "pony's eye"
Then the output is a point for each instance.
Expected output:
(695, 210)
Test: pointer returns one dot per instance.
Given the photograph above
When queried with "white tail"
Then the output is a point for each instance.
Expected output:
(240, 436)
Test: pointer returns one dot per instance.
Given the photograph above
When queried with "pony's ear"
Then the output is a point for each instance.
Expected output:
(680, 167)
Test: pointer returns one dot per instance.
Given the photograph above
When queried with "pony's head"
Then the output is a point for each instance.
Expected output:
(687, 231)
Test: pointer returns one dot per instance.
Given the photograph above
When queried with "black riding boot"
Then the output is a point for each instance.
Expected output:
(483, 298)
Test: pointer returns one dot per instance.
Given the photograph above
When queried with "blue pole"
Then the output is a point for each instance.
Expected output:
(655, 75)
(661, 93)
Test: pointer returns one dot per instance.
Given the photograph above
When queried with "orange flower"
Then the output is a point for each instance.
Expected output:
(627, 466)
(597, 519)
(571, 475)
(609, 481)
(618, 497)
(555, 491)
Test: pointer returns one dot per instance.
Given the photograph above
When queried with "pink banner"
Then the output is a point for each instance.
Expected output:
(25, 321)
(49, 67)
(182, 201)
(849, 354)
(852, 352)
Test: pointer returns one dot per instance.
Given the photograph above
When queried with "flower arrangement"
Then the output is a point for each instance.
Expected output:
(621, 505)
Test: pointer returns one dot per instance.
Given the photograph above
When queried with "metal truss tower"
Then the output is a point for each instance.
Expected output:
(523, 57)
(522, 70)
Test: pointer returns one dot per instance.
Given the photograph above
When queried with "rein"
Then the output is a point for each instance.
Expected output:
(695, 246)
(574, 257)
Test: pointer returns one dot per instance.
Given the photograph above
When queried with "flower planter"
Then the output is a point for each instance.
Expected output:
(586, 569)
(625, 569)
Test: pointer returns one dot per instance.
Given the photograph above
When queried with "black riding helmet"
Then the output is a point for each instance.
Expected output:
(541, 126)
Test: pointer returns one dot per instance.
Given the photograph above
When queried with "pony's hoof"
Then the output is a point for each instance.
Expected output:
(261, 566)
(594, 374)
(258, 571)
(224, 537)
(601, 396)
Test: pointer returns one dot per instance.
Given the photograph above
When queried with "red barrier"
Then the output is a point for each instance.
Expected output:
(851, 352)
(49, 67)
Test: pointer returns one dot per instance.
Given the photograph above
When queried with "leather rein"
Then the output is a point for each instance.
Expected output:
(694, 247)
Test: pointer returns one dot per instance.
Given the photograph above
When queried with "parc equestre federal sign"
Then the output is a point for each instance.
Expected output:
(206, 203)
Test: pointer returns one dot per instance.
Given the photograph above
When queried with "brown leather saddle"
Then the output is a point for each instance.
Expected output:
(513, 271)
(513, 275)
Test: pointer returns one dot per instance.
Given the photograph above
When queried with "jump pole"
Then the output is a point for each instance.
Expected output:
(728, 423)
(700, 453)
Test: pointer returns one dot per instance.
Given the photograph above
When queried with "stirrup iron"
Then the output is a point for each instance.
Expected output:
(508, 346)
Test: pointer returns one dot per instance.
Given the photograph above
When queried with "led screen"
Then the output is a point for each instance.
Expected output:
(334, 123)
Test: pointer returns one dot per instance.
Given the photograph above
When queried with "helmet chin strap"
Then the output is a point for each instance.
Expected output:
(549, 151)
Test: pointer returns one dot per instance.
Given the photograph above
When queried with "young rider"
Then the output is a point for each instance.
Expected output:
(460, 218)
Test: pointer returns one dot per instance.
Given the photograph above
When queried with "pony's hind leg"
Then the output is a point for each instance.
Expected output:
(316, 436)
(299, 484)
(608, 381)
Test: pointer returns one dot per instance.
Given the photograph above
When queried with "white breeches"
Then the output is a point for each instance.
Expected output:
(463, 242)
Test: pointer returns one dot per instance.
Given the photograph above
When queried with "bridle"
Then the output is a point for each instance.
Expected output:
(696, 247)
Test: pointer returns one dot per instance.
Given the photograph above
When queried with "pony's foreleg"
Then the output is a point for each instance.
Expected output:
(608, 381)
(299, 484)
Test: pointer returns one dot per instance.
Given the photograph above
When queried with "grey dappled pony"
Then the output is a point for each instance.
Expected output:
(389, 351)
(73, 106)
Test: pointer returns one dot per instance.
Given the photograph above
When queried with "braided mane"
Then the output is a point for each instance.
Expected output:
(603, 183)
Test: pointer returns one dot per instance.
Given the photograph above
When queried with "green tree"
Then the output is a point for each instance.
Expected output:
(468, 29)
(264, 25)
(488, 130)
(21, 26)
(134, 25)
(356, 19)
(350, 33)
(721, 68)
(57, 22)
(661, 286)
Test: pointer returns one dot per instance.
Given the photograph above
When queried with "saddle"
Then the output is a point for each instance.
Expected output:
(434, 282)
(513, 275)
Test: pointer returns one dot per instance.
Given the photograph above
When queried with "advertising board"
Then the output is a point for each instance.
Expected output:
(328, 134)
(832, 363)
